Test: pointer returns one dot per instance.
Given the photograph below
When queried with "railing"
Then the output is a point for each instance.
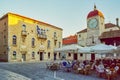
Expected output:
(42, 36)
(24, 33)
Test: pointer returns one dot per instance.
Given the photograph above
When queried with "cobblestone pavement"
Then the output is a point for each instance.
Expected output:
(37, 71)
(7, 75)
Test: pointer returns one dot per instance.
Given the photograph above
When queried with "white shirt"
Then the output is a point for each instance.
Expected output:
(82, 65)
(116, 68)
(101, 68)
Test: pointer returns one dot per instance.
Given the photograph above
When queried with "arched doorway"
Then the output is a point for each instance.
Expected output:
(41, 55)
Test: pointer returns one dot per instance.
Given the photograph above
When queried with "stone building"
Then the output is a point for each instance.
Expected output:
(26, 39)
(98, 31)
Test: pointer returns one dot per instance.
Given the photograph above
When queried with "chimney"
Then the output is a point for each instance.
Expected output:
(117, 22)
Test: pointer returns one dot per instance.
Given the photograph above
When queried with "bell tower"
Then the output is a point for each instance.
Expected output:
(95, 26)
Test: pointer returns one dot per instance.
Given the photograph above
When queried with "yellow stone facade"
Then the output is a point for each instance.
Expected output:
(26, 39)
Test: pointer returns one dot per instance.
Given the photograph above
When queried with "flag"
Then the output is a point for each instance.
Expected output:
(38, 30)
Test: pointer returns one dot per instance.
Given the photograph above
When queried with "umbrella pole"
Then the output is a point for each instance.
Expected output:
(85, 56)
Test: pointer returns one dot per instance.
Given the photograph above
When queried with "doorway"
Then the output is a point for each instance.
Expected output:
(24, 57)
(41, 56)
(92, 56)
(75, 56)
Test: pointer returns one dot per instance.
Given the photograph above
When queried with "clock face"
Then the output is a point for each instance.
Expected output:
(92, 23)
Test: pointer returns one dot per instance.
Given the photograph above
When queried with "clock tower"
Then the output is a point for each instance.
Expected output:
(95, 26)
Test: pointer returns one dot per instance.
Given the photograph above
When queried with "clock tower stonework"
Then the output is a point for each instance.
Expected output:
(95, 26)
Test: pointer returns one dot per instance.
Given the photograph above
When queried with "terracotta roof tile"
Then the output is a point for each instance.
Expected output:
(70, 40)
(110, 34)
(82, 31)
(109, 25)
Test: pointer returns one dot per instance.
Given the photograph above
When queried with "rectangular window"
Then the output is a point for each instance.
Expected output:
(48, 55)
(14, 54)
(59, 55)
(14, 39)
(69, 54)
(48, 46)
(81, 55)
(55, 34)
(59, 44)
(33, 42)
(33, 55)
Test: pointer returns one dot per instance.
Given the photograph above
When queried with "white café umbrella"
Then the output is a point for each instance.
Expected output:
(72, 47)
(103, 48)
(118, 49)
(85, 50)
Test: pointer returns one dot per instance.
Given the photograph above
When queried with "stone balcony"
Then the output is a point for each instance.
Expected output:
(24, 33)
(42, 36)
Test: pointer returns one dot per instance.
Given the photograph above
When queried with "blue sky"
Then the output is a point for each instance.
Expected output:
(70, 15)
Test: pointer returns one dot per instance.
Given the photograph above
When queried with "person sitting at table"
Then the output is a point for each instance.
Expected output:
(115, 72)
(81, 67)
(75, 68)
(101, 69)
(116, 67)
(93, 65)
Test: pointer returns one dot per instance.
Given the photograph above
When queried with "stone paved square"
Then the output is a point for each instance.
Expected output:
(38, 71)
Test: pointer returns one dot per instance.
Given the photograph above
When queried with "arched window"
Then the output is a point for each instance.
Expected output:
(55, 34)
(33, 41)
(14, 54)
(33, 54)
(24, 27)
(14, 39)
(48, 44)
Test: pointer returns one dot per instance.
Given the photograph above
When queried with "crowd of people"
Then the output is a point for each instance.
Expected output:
(105, 68)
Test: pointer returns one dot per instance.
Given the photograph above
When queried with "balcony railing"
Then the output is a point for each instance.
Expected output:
(42, 36)
(24, 33)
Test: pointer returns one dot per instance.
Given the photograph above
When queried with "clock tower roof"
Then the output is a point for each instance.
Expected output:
(95, 12)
